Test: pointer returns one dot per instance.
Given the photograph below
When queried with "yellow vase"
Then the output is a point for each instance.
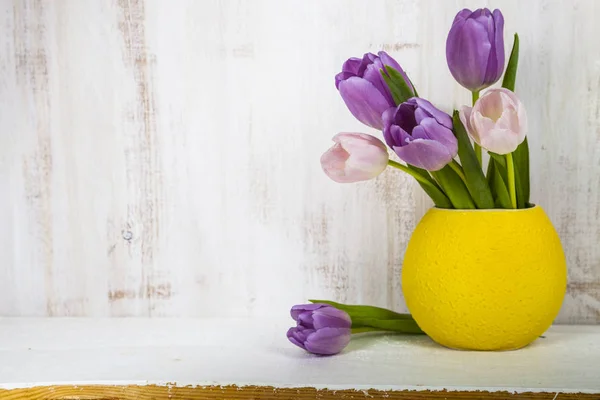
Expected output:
(484, 279)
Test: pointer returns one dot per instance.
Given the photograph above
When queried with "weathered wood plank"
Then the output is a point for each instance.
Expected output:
(172, 392)
(161, 159)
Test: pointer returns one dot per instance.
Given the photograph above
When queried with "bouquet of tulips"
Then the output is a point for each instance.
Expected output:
(442, 152)
(436, 146)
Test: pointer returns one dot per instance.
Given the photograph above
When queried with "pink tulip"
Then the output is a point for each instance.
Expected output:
(354, 157)
(497, 122)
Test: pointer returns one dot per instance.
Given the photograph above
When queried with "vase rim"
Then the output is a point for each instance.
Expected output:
(509, 210)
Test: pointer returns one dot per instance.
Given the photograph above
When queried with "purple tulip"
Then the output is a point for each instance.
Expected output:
(321, 328)
(364, 90)
(475, 48)
(420, 134)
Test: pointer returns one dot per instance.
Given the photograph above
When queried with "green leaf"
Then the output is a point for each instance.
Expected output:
(364, 329)
(499, 159)
(416, 94)
(398, 86)
(365, 312)
(490, 174)
(434, 191)
(454, 188)
(521, 164)
(476, 183)
(521, 159)
(395, 325)
(510, 76)
(521, 154)
(370, 318)
(502, 196)
(423, 174)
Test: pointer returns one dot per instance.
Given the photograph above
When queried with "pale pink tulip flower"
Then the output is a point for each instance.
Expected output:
(497, 122)
(354, 157)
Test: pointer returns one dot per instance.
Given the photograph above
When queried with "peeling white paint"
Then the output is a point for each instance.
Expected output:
(161, 158)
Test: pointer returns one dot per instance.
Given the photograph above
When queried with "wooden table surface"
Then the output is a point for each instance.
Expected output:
(251, 358)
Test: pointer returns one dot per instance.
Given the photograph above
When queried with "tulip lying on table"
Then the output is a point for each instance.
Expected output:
(324, 327)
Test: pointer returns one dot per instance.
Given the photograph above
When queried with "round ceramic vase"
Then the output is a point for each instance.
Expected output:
(484, 279)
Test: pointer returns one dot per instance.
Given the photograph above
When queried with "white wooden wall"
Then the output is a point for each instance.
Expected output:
(161, 158)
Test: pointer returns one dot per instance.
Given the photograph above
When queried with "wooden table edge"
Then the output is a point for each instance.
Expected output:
(169, 392)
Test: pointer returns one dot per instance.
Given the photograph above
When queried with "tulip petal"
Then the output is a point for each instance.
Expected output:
(396, 136)
(490, 106)
(362, 168)
(487, 21)
(389, 61)
(439, 133)
(342, 76)
(389, 117)
(481, 125)
(356, 141)
(405, 116)
(497, 59)
(300, 308)
(509, 120)
(349, 69)
(462, 15)
(291, 336)
(483, 16)
(305, 319)
(331, 317)
(465, 118)
(333, 163)
(328, 341)
(425, 154)
(300, 333)
(352, 65)
(500, 141)
(434, 112)
(367, 60)
(373, 75)
(523, 128)
(364, 101)
(420, 115)
(518, 117)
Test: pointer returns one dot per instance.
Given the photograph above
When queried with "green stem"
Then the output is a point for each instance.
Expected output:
(510, 165)
(478, 152)
(458, 169)
(412, 173)
(365, 329)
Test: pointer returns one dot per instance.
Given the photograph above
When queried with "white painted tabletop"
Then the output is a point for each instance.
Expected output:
(36, 352)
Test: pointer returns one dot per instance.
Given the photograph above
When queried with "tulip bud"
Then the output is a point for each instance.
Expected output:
(320, 328)
(420, 134)
(364, 90)
(475, 48)
(497, 121)
(354, 157)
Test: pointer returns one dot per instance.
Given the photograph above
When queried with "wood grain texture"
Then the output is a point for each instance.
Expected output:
(161, 158)
(259, 392)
